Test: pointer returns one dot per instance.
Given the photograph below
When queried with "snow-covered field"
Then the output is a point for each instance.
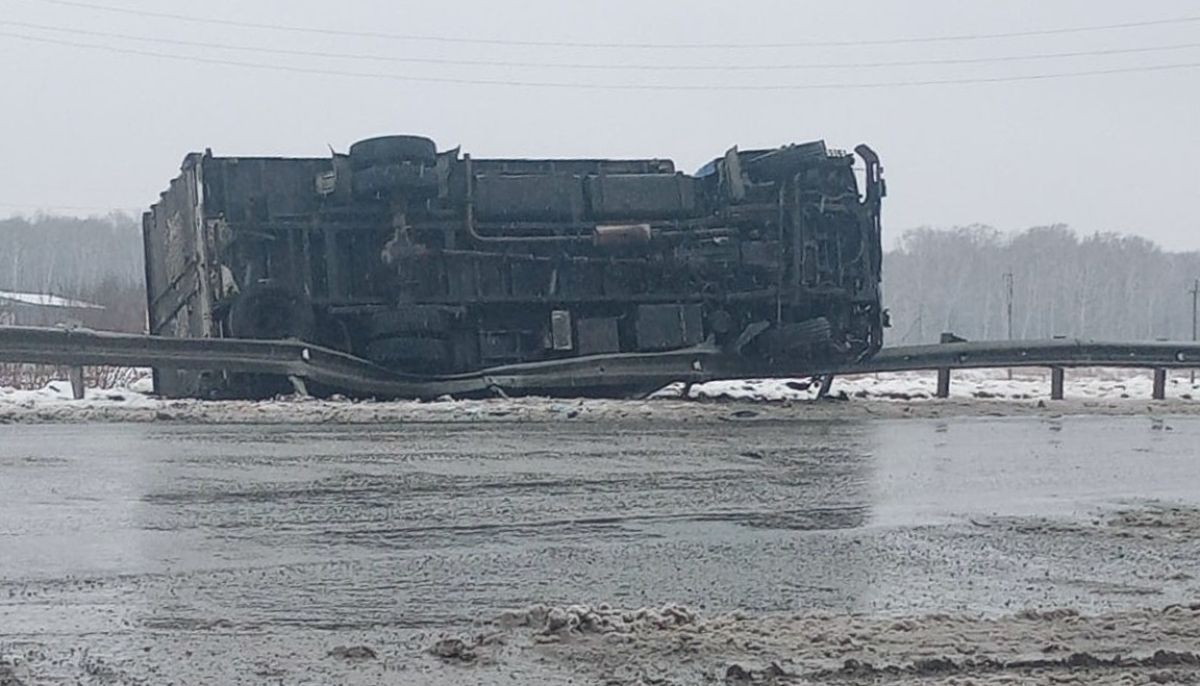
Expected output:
(1025, 384)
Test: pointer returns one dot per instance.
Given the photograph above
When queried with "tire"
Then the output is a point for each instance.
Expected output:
(392, 149)
(409, 350)
(383, 181)
(270, 313)
(331, 332)
(412, 319)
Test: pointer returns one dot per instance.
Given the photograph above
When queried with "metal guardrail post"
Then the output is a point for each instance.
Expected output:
(1160, 384)
(943, 378)
(1056, 383)
(943, 387)
(75, 376)
(826, 384)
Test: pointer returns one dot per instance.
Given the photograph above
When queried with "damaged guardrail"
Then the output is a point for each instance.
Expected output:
(344, 373)
(336, 370)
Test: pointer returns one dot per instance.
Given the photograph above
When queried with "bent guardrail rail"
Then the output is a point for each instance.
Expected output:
(353, 375)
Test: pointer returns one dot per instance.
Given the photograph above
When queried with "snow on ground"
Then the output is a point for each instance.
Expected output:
(909, 394)
(58, 393)
(1025, 384)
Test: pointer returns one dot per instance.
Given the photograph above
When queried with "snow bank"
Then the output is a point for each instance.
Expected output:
(1091, 383)
(601, 619)
(58, 394)
(1051, 645)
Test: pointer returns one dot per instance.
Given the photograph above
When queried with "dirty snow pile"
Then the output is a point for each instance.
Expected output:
(674, 645)
(602, 619)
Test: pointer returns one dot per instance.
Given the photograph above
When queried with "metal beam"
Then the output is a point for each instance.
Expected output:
(1043, 353)
(706, 362)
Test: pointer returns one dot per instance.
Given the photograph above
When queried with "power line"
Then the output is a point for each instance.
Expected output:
(603, 86)
(616, 45)
(604, 67)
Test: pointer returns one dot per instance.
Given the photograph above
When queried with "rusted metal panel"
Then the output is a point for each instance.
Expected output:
(598, 335)
(662, 327)
(622, 235)
(640, 196)
(545, 198)
(560, 330)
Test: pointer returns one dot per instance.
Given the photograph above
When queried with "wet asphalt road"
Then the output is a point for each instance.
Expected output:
(132, 531)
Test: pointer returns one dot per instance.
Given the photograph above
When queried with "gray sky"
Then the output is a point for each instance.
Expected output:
(91, 129)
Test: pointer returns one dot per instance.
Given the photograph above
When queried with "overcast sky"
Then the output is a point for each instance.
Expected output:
(86, 129)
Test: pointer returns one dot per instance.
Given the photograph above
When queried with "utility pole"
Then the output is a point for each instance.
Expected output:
(1195, 296)
(1008, 291)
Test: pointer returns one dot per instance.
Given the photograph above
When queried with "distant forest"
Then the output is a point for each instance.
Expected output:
(1095, 286)
(1101, 286)
(98, 260)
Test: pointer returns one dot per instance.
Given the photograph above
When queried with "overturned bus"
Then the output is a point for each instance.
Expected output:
(434, 264)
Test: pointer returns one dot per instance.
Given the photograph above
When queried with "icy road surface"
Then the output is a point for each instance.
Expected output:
(156, 553)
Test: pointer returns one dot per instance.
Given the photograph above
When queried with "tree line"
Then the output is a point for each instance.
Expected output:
(1103, 286)
(1099, 286)
(97, 259)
